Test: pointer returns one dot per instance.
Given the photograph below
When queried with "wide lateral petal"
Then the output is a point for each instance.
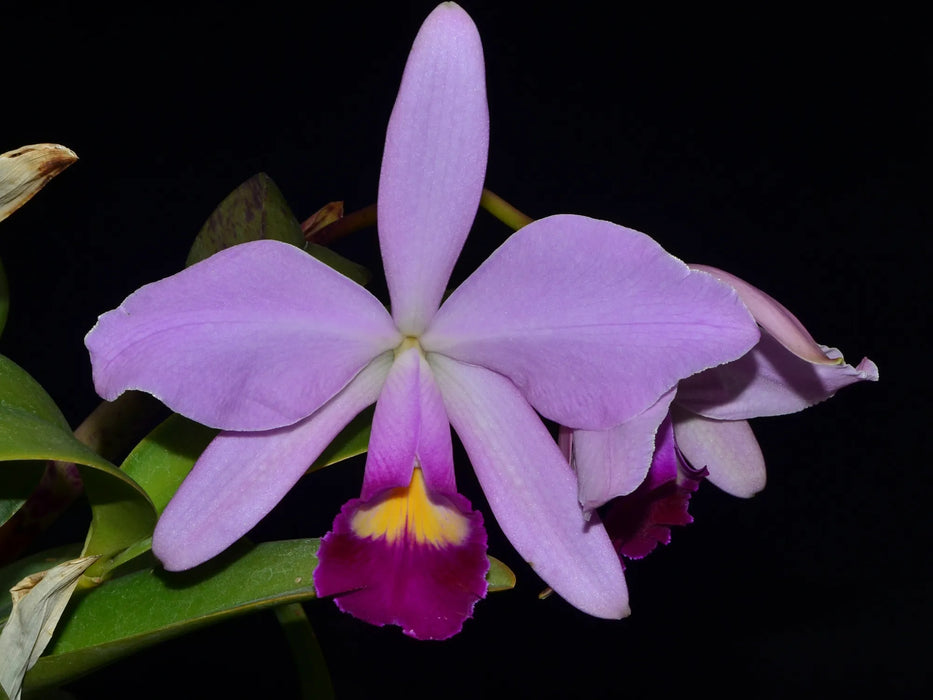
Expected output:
(240, 477)
(590, 320)
(769, 381)
(410, 429)
(531, 488)
(728, 449)
(434, 164)
(257, 336)
(611, 463)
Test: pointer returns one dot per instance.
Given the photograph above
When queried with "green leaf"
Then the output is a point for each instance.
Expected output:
(4, 298)
(129, 613)
(254, 211)
(32, 428)
(257, 210)
(19, 481)
(356, 272)
(353, 440)
(20, 392)
(162, 460)
(126, 614)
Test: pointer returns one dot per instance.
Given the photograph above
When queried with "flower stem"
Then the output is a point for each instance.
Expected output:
(354, 221)
(502, 210)
(366, 217)
(306, 651)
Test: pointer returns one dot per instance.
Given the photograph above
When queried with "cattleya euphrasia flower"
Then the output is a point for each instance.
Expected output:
(581, 321)
(701, 428)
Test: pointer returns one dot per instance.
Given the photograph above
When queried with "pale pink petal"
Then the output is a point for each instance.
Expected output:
(773, 317)
(410, 429)
(769, 381)
(434, 164)
(593, 322)
(257, 336)
(241, 476)
(728, 449)
(531, 489)
(614, 462)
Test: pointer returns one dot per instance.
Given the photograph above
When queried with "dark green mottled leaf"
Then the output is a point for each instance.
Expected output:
(257, 210)
(254, 211)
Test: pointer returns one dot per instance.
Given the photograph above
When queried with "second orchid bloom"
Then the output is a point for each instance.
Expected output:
(583, 322)
(643, 471)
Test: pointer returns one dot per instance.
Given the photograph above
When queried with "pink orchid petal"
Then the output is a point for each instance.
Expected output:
(590, 320)
(531, 489)
(427, 587)
(614, 462)
(410, 428)
(434, 164)
(769, 381)
(240, 477)
(728, 449)
(773, 317)
(257, 336)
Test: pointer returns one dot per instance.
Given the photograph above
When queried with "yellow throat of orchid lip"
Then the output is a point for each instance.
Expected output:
(408, 512)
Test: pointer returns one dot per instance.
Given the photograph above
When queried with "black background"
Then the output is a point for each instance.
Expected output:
(789, 148)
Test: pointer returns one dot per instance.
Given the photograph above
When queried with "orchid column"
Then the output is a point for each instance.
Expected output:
(581, 321)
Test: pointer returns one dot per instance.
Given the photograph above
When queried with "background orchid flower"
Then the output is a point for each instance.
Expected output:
(641, 520)
(786, 371)
(280, 351)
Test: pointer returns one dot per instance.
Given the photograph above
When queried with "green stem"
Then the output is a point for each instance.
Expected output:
(366, 217)
(502, 210)
(306, 651)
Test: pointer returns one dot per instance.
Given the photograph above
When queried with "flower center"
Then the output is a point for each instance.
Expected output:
(410, 512)
(408, 342)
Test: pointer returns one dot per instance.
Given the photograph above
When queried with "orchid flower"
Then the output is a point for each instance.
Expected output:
(637, 522)
(787, 371)
(581, 321)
